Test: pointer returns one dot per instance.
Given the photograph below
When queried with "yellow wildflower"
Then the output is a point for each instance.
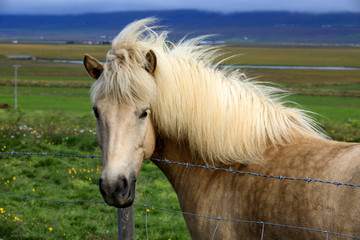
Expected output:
(50, 229)
(16, 219)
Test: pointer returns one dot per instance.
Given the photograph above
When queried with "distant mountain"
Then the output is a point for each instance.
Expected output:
(237, 27)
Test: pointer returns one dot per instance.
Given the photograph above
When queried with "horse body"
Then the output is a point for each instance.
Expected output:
(152, 100)
(301, 204)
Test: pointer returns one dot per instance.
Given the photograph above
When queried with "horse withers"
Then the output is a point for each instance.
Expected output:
(169, 101)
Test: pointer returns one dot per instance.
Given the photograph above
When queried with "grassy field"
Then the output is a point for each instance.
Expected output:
(70, 179)
(287, 56)
(294, 56)
(48, 51)
(55, 116)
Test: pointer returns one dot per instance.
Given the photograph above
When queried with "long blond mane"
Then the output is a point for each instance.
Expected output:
(221, 115)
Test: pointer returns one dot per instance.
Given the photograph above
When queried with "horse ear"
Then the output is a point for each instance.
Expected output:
(93, 66)
(151, 61)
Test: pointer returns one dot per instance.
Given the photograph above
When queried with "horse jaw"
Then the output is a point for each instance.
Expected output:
(126, 139)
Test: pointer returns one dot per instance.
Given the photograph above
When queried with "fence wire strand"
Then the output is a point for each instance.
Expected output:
(230, 170)
(262, 230)
(217, 225)
(17, 217)
(57, 219)
(247, 221)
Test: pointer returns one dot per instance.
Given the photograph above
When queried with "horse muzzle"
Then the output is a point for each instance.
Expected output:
(119, 193)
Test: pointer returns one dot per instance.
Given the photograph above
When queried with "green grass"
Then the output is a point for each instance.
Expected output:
(343, 87)
(333, 101)
(294, 56)
(306, 78)
(305, 56)
(47, 91)
(47, 78)
(313, 82)
(339, 116)
(45, 74)
(49, 103)
(38, 68)
(70, 179)
(57, 51)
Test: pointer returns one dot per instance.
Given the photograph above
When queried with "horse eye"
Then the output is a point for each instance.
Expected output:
(144, 114)
(96, 112)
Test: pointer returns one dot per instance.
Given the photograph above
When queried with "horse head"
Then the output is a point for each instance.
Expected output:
(125, 134)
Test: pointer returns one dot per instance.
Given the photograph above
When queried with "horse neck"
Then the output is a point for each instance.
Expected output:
(174, 151)
(180, 175)
(167, 149)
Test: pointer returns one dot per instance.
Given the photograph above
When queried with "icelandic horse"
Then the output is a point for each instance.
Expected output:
(156, 99)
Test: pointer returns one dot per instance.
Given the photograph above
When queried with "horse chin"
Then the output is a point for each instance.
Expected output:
(123, 204)
(119, 201)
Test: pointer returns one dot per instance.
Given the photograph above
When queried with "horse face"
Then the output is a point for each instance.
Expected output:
(126, 137)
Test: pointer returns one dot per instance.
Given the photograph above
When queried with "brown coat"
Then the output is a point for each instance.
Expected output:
(312, 205)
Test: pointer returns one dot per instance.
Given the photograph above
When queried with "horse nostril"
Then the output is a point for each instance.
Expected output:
(122, 186)
(101, 188)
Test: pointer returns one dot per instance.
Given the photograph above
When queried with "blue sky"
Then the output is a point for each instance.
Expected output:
(90, 6)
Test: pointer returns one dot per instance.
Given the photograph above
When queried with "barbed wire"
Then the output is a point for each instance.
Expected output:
(173, 211)
(246, 221)
(230, 170)
(166, 161)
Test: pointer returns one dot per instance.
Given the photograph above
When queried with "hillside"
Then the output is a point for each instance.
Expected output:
(238, 27)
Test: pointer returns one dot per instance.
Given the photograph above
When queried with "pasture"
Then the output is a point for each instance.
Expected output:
(55, 116)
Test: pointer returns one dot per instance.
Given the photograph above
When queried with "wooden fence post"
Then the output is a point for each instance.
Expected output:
(126, 225)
